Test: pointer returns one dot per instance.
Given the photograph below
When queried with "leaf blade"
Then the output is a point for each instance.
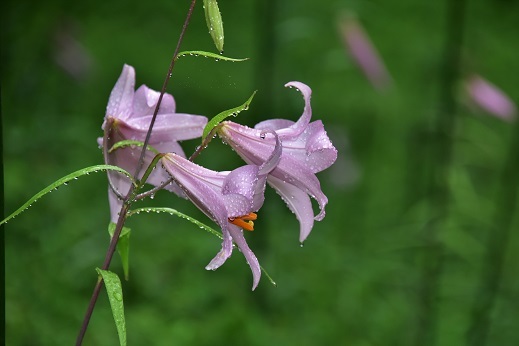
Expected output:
(217, 119)
(213, 18)
(123, 247)
(205, 54)
(129, 142)
(63, 181)
(115, 296)
(193, 220)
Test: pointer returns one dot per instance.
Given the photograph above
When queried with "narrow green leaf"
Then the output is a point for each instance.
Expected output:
(115, 296)
(123, 247)
(64, 181)
(213, 17)
(176, 213)
(268, 276)
(193, 220)
(129, 142)
(217, 57)
(225, 114)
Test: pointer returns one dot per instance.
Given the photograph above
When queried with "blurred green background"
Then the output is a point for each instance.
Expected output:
(417, 248)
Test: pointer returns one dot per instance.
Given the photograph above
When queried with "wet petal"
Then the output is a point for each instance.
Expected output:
(115, 205)
(252, 260)
(170, 127)
(224, 253)
(145, 101)
(121, 97)
(306, 150)
(304, 120)
(273, 124)
(297, 201)
(275, 156)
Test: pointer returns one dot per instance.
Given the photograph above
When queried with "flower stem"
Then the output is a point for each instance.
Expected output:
(130, 195)
(164, 86)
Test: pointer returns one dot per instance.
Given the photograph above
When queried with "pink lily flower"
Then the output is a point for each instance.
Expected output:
(307, 150)
(128, 116)
(231, 199)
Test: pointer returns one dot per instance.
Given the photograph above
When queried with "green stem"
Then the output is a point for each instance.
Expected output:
(150, 168)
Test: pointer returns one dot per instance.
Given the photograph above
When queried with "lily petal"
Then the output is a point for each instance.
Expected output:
(252, 260)
(120, 101)
(298, 201)
(146, 99)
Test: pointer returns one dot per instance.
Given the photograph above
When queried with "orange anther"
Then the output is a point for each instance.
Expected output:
(245, 221)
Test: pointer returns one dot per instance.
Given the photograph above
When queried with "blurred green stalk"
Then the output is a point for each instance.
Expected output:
(441, 147)
(498, 235)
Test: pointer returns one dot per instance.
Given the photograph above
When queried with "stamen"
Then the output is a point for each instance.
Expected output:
(245, 221)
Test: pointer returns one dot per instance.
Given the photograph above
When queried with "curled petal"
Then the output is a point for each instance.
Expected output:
(252, 260)
(304, 120)
(224, 253)
(274, 158)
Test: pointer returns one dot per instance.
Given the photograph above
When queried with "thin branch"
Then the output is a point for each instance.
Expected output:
(130, 195)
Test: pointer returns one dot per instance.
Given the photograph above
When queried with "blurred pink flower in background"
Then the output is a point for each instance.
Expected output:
(489, 98)
(363, 52)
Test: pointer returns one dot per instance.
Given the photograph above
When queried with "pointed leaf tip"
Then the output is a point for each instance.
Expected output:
(64, 181)
(217, 57)
(115, 296)
(217, 119)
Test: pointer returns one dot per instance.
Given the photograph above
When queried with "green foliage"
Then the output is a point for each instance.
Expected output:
(176, 213)
(115, 296)
(128, 142)
(217, 119)
(188, 218)
(217, 57)
(123, 247)
(213, 17)
(356, 281)
(64, 181)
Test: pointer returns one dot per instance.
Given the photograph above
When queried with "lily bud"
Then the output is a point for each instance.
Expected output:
(213, 17)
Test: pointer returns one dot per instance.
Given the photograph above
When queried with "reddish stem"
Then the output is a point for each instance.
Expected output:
(129, 197)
